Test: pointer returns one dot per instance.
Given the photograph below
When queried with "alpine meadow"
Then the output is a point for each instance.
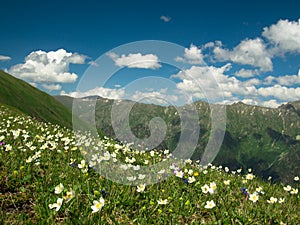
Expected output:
(150, 112)
(47, 177)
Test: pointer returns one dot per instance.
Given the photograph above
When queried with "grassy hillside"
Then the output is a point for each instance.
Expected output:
(30, 100)
(48, 175)
(260, 136)
(255, 136)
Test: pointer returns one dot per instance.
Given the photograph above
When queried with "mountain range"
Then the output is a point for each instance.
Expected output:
(265, 139)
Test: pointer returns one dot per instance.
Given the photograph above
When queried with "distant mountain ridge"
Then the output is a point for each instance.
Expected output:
(265, 139)
(32, 101)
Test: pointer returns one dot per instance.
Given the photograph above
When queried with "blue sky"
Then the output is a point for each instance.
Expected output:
(251, 49)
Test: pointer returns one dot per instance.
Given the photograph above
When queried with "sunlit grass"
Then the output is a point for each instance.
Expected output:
(47, 177)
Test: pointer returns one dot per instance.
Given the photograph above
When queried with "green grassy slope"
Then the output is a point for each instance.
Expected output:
(260, 137)
(30, 100)
(49, 175)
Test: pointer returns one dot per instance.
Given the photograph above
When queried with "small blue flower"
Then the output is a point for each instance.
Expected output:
(244, 190)
(104, 194)
(185, 180)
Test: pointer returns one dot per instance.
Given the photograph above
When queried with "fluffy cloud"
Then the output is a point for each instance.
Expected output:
(165, 18)
(287, 80)
(52, 87)
(266, 103)
(212, 44)
(249, 101)
(252, 81)
(280, 92)
(271, 103)
(136, 60)
(207, 83)
(44, 67)
(234, 100)
(4, 58)
(284, 35)
(211, 82)
(155, 97)
(98, 91)
(246, 73)
(192, 55)
(249, 52)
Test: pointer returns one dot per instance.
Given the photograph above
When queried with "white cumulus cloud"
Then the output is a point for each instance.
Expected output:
(273, 103)
(287, 80)
(44, 67)
(249, 52)
(280, 92)
(154, 97)
(110, 93)
(245, 73)
(52, 87)
(192, 55)
(136, 60)
(212, 82)
(284, 35)
(249, 101)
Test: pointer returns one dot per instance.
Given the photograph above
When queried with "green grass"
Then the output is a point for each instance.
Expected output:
(35, 157)
(32, 101)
